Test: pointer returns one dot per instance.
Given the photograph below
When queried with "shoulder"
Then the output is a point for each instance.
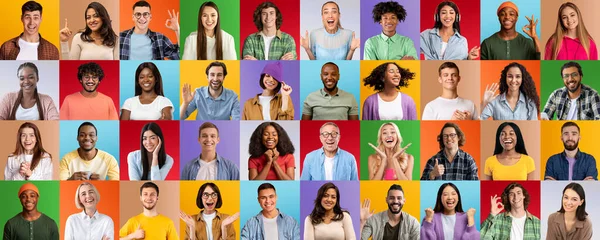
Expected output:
(526, 157)
(426, 32)
(70, 156)
(347, 215)
(313, 155)
(11, 96)
(193, 34)
(411, 219)
(134, 154)
(225, 35)
(45, 217)
(345, 153)
(555, 157)
(105, 155)
(553, 216)
(371, 98)
(44, 97)
(492, 159)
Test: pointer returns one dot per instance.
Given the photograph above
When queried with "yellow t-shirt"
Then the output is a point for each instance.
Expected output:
(159, 227)
(517, 171)
(103, 164)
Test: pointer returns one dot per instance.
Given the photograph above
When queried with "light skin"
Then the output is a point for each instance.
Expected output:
(88, 199)
(571, 201)
(87, 138)
(267, 198)
(509, 156)
(147, 81)
(215, 77)
(28, 82)
(270, 139)
(448, 17)
(208, 140)
(451, 139)
(31, 25)
(328, 201)
(516, 199)
(142, 16)
(331, 140)
(268, 17)
(449, 199)
(389, 158)
(508, 20)
(209, 200)
(28, 142)
(570, 137)
(29, 201)
(572, 80)
(90, 83)
(92, 21)
(152, 144)
(149, 199)
(569, 20)
(449, 79)
(210, 17)
(395, 201)
(269, 90)
(514, 79)
(330, 75)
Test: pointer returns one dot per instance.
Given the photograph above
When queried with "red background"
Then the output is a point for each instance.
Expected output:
(130, 141)
(489, 188)
(349, 139)
(290, 10)
(109, 85)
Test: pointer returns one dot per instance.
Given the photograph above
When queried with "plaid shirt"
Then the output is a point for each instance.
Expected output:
(588, 104)
(161, 46)
(281, 44)
(10, 49)
(463, 167)
(498, 227)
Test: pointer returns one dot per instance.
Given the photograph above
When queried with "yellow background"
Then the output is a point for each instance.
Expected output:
(12, 25)
(376, 191)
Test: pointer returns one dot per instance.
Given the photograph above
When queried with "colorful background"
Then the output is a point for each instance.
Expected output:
(160, 13)
(288, 199)
(467, 86)
(469, 195)
(48, 202)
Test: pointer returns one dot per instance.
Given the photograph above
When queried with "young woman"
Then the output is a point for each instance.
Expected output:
(332, 42)
(209, 42)
(328, 220)
(271, 153)
(149, 102)
(443, 41)
(27, 103)
(219, 224)
(387, 79)
(88, 224)
(570, 40)
(510, 160)
(390, 161)
(97, 41)
(571, 221)
(29, 161)
(151, 162)
(270, 104)
(518, 99)
(447, 220)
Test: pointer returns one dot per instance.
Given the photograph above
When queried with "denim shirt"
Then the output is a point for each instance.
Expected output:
(344, 167)
(221, 108)
(431, 46)
(557, 167)
(287, 228)
(226, 170)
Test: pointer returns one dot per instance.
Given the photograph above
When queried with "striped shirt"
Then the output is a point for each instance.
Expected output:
(588, 104)
(287, 227)
(162, 47)
(282, 43)
(463, 167)
(499, 109)
(499, 227)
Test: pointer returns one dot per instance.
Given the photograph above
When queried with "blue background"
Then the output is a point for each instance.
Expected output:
(491, 25)
(108, 136)
(288, 199)
(469, 194)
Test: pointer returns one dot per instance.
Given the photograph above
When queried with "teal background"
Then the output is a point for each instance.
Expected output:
(288, 199)
(108, 136)
(490, 23)
(48, 202)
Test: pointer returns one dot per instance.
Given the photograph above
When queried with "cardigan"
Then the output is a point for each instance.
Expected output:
(435, 229)
(371, 108)
(49, 109)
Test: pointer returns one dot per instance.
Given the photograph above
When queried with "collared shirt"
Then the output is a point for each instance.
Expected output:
(136, 168)
(588, 104)
(409, 227)
(201, 232)
(287, 228)
(498, 227)
(253, 109)
(519, 48)
(46, 50)
(162, 47)
(322, 106)
(43, 228)
(382, 47)
(557, 166)
(431, 46)
(499, 109)
(81, 226)
(226, 170)
(344, 167)
(557, 228)
(463, 167)
(283, 43)
(223, 107)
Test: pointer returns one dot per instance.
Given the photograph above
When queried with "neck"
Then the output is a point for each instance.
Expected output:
(332, 92)
(87, 155)
(513, 94)
(96, 35)
(89, 94)
(267, 92)
(28, 152)
(572, 33)
(389, 33)
(90, 211)
(450, 153)
(137, 30)
(209, 33)
(270, 214)
(394, 217)
(215, 93)
(329, 213)
(330, 153)
(572, 153)
(32, 38)
(30, 215)
(449, 211)
(269, 32)
(449, 93)
(520, 212)
(509, 152)
(148, 94)
(332, 31)
(389, 152)
(28, 95)
(208, 155)
(389, 91)
(508, 33)
(572, 216)
(574, 95)
(446, 31)
(207, 211)
(150, 213)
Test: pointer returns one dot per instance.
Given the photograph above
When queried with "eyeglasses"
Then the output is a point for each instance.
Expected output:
(88, 77)
(327, 134)
(211, 195)
(451, 135)
(572, 75)
(139, 15)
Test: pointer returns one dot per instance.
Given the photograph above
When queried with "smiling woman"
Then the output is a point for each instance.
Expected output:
(78, 225)
(447, 220)
(271, 153)
(328, 220)
(29, 161)
(510, 160)
(151, 162)
(149, 102)
(390, 161)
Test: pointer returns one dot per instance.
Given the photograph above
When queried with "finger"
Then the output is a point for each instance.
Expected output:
(170, 15)
(353, 35)
(373, 146)
(66, 23)
(436, 162)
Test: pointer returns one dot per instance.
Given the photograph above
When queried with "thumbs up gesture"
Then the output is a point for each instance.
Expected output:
(438, 170)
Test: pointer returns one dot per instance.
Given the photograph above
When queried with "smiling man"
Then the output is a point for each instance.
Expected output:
(270, 223)
(330, 102)
(449, 106)
(451, 162)
(269, 43)
(572, 164)
(30, 223)
(389, 45)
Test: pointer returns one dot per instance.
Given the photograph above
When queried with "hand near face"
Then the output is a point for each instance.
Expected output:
(65, 33)
(269, 155)
(187, 93)
(471, 213)
(429, 215)
(380, 153)
(304, 40)
(474, 53)
(173, 21)
(529, 29)
(286, 90)
(497, 207)
(157, 148)
(230, 219)
(402, 150)
(355, 42)
(365, 210)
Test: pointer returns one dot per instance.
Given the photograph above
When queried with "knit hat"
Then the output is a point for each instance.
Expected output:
(273, 69)
(28, 186)
(507, 4)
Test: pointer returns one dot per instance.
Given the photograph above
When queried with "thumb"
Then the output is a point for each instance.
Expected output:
(436, 162)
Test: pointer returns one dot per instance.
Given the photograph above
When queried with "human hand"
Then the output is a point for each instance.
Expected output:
(249, 57)
(105, 237)
(157, 148)
(189, 221)
(139, 233)
(496, 206)
(304, 41)
(355, 42)
(173, 21)
(438, 169)
(65, 33)
(459, 115)
(230, 219)
(288, 56)
(429, 215)
(286, 90)
(365, 210)
(187, 93)
(78, 176)
(402, 150)
(95, 176)
(25, 169)
(474, 53)
(471, 213)
(380, 153)
(407, 58)
(490, 93)
(529, 29)
(589, 178)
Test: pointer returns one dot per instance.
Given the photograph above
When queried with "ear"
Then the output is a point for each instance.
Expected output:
(440, 79)
(458, 80)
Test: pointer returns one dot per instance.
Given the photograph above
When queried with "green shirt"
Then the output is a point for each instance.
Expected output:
(17, 228)
(322, 106)
(498, 227)
(382, 47)
(282, 43)
(519, 48)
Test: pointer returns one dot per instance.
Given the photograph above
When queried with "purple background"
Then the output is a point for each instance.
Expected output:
(228, 147)
(349, 200)
(409, 28)
(250, 75)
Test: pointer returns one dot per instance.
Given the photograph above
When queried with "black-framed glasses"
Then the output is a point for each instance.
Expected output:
(572, 75)
(327, 134)
(139, 15)
(211, 195)
(451, 135)
(88, 77)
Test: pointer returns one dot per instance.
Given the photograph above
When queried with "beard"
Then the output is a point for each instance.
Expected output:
(390, 207)
(571, 147)
(577, 87)
(149, 207)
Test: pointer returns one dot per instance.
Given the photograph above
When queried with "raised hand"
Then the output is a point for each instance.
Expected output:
(173, 20)
(355, 42)
(529, 29)
(275, 153)
(187, 93)
(471, 213)
(269, 155)
(402, 150)
(304, 41)
(286, 90)
(429, 215)
(365, 210)
(497, 207)
(438, 169)
(230, 219)
(474, 53)
(380, 153)
(65, 33)
(490, 93)
(189, 221)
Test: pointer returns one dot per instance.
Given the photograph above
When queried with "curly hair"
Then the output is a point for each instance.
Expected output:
(318, 212)
(109, 37)
(90, 68)
(376, 78)
(527, 85)
(158, 86)
(258, 13)
(388, 7)
(519, 147)
(459, 134)
(284, 144)
(506, 193)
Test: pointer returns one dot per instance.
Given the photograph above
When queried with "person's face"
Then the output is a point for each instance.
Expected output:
(149, 198)
(215, 78)
(389, 136)
(270, 138)
(569, 18)
(141, 17)
(392, 75)
(449, 78)
(570, 137)
(267, 198)
(571, 79)
(270, 82)
(209, 18)
(329, 199)
(449, 198)
(150, 140)
(146, 80)
(447, 16)
(209, 138)
(209, 199)
(28, 140)
(28, 80)
(508, 138)
(395, 201)
(514, 78)
(31, 22)
(87, 196)
(87, 138)
(331, 16)
(90, 82)
(93, 20)
(571, 200)
(450, 138)
(516, 198)
(330, 77)
(388, 22)
(29, 200)
(268, 16)
(330, 137)
(508, 18)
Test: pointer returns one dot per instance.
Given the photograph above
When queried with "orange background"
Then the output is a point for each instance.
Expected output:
(158, 20)
(167, 205)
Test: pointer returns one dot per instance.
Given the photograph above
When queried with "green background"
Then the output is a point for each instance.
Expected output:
(229, 15)
(552, 80)
(410, 132)
(48, 202)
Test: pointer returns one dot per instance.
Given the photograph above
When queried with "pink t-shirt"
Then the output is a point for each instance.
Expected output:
(78, 107)
(571, 49)
(284, 162)
(389, 174)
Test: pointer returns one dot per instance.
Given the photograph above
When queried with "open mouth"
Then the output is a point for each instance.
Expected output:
(450, 203)
(508, 142)
(210, 204)
(330, 22)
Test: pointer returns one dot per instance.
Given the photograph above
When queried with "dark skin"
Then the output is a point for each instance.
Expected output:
(87, 151)
(508, 20)
(146, 80)
(330, 75)
(29, 200)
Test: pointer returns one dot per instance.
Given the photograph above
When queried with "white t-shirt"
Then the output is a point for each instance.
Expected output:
(29, 51)
(267, 41)
(207, 171)
(390, 110)
(572, 110)
(27, 114)
(265, 102)
(208, 218)
(328, 168)
(152, 111)
(517, 230)
(444, 46)
(270, 228)
(448, 222)
(443, 109)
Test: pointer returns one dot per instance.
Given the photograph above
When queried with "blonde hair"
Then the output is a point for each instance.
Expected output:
(78, 203)
(582, 33)
(403, 158)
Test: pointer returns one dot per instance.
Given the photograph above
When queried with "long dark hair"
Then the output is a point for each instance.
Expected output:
(439, 207)
(201, 47)
(284, 144)
(162, 155)
(580, 213)
(527, 85)
(158, 88)
(438, 22)
(377, 76)
(520, 147)
(318, 212)
(13, 112)
(109, 38)
(506, 193)
(38, 150)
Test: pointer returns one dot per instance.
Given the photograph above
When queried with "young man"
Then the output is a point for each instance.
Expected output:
(330, 162)
(29, 45)
(449, 106)
(149, 223)
(572, 164)
(30, 223)
(213, 102)
(270, 223)
(574, 101)
(210, 165)
(269, 43)
(87, 162)
(330, 102)
(508, 44)
(140, 43)
(389, 45)
(391, 224)
(451, 162)
(89, 103)
(516, 222)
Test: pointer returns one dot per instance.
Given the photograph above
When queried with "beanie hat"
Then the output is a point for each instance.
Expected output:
(507, 4)
(273, 69)
(28, 186)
